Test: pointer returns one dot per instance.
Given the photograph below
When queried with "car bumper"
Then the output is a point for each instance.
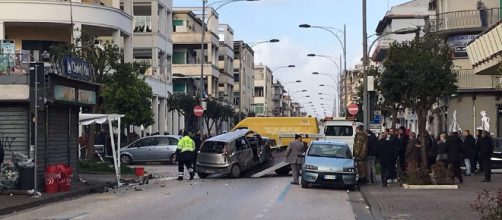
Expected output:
(212, 169)
(326, 178)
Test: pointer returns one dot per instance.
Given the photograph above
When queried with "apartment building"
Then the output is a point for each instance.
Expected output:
(458, 23)
(153, 45)
(278, 92)
(226, 65)
(263, 79)
(243, 78)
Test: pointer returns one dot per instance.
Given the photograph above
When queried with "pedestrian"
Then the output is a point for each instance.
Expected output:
(385, 155)
(394, 143)
(2, 155)
(442, 150)
(198, 142)
(294, 150)
(360, 153)
(454, 149)
(469, 145)
(477, 152)
(371, 158)
(403, 139)
(485, 155)
(82, 142)
(430, 149)
(481, 7)
(412, 153)
(185, 151)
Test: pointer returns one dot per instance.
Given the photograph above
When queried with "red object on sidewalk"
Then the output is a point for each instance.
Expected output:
(140, 171)
(52, 177)
(66, 176)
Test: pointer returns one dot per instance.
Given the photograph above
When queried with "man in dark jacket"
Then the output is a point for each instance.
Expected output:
(431, 149)
(476, 153)
(454, 149)
(371, 158)
(395, 145)
(385, 155)
(469, 145)
(485, 155)
(198, 142)
(403, 143)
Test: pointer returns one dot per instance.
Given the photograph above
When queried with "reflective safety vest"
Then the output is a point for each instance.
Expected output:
(186, 144)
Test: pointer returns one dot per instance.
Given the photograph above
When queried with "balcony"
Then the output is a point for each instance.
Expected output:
(467, 80)
(276, 97)
(193, 70)
(461, 21)
(195, 38)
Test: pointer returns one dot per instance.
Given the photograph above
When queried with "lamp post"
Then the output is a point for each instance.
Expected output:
(263, 42)
(342, 44)
(202, 43)
(283, 67)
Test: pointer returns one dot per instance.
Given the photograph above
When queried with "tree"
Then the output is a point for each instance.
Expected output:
(217, 113)
(421, 72)
(125, 93)
(184, 104)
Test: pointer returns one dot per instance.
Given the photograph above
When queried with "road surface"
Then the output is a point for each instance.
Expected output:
(264, 198)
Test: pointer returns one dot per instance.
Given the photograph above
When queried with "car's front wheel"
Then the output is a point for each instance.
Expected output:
(125, 159)
(235, 171)
(304, 183)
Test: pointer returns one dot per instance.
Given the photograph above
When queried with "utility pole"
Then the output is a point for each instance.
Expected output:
(202, 61)
(366, 107)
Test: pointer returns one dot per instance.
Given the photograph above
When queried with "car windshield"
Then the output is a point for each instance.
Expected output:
(338, 130)
(214, 147)
(329, 150)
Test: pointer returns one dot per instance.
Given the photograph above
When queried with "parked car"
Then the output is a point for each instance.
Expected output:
(328, 163)
(161, 148)
(231, 153)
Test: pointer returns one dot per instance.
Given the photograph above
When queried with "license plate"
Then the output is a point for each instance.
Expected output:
(330, 177)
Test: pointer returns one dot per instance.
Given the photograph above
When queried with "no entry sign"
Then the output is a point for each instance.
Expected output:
(353, 109)
(198, 111)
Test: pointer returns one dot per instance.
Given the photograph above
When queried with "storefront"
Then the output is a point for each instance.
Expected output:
(47, 119)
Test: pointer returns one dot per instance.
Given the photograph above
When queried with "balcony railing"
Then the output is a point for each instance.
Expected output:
(468, 19)
(468, 80)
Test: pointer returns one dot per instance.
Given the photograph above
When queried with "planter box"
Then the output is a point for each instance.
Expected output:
(406, 186)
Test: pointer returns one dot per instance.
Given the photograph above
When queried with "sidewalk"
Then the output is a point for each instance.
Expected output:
(95, 183)
(394, 202)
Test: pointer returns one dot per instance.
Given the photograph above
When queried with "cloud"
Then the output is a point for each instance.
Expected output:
(288, 52)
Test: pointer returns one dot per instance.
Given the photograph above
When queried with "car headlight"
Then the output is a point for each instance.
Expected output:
(350, 170)
(311, 167)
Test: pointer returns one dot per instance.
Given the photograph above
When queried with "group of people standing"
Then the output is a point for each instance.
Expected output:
(395, 149)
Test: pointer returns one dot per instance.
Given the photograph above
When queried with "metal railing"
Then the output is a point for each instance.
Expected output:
(468, 80)
(462, 20)
(15, 63)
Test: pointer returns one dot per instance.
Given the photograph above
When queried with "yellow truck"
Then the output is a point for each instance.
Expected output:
(282, 129)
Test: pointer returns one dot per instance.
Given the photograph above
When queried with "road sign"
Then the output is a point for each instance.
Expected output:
(198, 111)
(377, 119)
(353, 109)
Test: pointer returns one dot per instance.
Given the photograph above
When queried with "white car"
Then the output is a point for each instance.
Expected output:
(341, 130)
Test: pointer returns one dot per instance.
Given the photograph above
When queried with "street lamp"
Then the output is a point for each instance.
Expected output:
(297, 81)
(330, 58)
(293, 93)
(283, 67)
(263, 42)
(342, 44)
(202, 42)
(324, 85)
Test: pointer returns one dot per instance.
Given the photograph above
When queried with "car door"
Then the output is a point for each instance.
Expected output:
(140, 150)
(244, 153)
(164, 148)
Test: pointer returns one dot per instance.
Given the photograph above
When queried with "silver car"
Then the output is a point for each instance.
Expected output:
(160, 148)
(328, 163)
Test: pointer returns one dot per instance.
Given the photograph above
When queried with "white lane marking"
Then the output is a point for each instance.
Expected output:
(259, 216)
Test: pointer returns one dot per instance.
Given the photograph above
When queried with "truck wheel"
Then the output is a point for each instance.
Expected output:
(235, 171)
(283, 171)
(202, 175)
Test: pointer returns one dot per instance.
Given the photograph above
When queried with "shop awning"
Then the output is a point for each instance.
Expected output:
(87, 119)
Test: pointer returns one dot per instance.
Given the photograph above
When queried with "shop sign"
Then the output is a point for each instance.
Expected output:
(77, 69)
(7, 47)
(86, 97)
(63, 93)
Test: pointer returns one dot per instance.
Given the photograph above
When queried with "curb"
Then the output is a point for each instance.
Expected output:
(377, 214)
(45, 201)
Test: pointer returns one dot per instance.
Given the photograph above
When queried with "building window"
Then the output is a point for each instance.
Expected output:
(221, 58)
(237, 77)
(259, 108)
(259, 75)
(177, 23)
(258, 91)
(179, 58)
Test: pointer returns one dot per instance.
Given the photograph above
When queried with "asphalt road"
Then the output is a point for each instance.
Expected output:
(265, 198)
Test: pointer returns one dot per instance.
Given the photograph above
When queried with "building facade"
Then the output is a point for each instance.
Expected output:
(263, 79)
(459, 22)
(278, 92)
(153, 45)
(243, 78)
